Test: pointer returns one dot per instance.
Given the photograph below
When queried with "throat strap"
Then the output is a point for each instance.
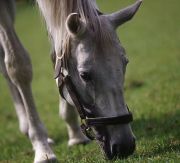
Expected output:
(74, 96)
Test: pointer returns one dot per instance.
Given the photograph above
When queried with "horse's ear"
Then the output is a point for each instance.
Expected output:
(125, 14)
(74, 25)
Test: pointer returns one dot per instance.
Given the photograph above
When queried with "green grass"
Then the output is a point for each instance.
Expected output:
(152, 41)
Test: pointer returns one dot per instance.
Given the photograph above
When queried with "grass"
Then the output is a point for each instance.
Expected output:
(152, 41)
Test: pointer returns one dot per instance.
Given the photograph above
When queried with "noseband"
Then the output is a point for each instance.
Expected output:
(86, 122)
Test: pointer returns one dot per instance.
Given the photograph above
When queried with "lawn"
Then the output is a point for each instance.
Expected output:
(152, 42)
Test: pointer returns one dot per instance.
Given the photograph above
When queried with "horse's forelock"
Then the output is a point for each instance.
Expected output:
(55, 14)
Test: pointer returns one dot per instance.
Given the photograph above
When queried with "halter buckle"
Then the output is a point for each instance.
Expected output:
(87, 130)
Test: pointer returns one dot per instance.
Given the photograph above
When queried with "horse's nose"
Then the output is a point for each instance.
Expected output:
(123, 149)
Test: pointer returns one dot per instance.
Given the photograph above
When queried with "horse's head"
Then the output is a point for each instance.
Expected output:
(97, 68)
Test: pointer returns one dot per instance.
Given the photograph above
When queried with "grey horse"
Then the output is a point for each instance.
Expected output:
(84, 39)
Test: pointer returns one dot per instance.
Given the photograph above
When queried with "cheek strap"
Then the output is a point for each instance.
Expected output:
(88, 123)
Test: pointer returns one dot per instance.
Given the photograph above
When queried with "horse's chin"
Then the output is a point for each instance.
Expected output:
(107, 153)
(106, 149)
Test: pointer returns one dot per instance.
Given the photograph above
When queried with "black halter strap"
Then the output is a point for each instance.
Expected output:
(86, 123)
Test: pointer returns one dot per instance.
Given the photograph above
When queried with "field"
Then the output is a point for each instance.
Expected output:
(152, 42)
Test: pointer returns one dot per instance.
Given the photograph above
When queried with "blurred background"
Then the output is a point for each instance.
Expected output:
(152, 86)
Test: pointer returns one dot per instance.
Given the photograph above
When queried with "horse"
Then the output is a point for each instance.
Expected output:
(89, 63)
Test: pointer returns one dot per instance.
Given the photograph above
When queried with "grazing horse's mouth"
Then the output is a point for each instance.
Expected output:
(113, 153)
(105, 148)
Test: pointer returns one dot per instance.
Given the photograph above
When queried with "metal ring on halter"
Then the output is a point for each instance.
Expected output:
(61, 57)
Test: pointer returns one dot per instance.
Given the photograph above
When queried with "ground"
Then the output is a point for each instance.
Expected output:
(152, 42)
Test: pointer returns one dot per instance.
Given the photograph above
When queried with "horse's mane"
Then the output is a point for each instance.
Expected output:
(55, 13)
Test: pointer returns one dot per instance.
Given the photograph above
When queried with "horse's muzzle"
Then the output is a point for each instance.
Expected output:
(119, 151)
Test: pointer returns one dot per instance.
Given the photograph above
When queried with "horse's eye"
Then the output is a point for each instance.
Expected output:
(86, 76)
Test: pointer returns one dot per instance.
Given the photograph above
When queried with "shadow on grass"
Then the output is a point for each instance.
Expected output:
(161, 134)
(161, 150)
(134, 84)
(60, 135)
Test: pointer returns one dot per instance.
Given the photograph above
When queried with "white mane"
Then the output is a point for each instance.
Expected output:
(55, 13)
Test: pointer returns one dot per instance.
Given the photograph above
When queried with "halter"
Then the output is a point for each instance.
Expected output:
(86, 122)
